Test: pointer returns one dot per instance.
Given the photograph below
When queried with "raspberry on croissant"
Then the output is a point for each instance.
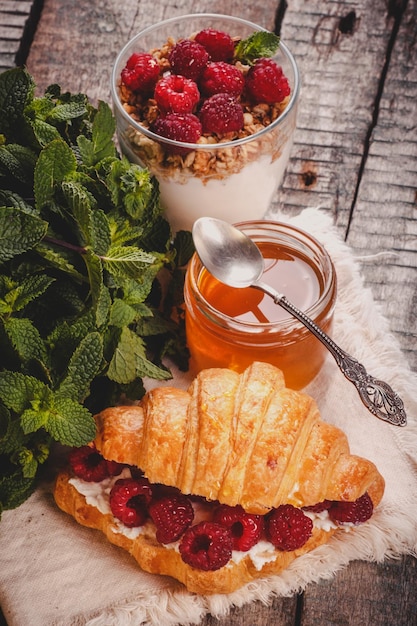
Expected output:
(263, 474)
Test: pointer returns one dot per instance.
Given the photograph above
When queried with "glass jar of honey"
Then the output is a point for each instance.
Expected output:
(232, 327)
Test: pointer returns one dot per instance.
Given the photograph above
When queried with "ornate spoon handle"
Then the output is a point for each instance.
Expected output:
(376, 395)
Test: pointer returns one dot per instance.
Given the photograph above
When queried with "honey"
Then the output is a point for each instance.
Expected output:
(231, 327)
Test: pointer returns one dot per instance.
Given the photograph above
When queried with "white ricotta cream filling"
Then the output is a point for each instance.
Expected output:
(97, 495)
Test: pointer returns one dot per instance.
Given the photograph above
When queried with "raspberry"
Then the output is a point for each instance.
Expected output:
(206, 546)
(218, 44)
(288, 528)
(265, 82)
(176, 94)
(141, 73)
(319, 507)
(163, 491)
(354, 512)
(221, 77)
(185, 127)
(221, 114)
(246, 528)
(129, 499)
(172, 515)
(88, 464)
(188, 58)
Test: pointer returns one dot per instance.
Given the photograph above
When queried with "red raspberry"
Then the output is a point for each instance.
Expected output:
(288, 528)
(319, 507)
(218, 44)
(246, 528)
(129, 499)
(221, 114)
(188, 58)
(265, 82)
(185, 127)
(206, 546)
(164, 491)
(176, 94)
(141, 73)
(354, 512)
(172, 515)
(88, 464)
(221, 77)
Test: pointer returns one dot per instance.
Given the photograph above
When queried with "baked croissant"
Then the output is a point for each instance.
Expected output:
(241, 440)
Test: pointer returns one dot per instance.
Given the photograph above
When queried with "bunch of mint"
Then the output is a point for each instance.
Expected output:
(84, 314)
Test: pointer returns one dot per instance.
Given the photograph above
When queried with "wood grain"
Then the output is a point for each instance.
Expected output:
(355, 150)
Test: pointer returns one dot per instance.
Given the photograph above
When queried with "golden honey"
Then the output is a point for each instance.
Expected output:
(232, 327)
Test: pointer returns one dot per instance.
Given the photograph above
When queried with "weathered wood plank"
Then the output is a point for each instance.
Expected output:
(101, 30)
(281, 611)
(350, 600)
(15, 16)
(336, 44)
(385, 213)
(332, 137)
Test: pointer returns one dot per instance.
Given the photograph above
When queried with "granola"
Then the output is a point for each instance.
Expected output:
(216, 157)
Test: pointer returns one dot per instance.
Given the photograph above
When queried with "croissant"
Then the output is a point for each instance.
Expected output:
(235, 439)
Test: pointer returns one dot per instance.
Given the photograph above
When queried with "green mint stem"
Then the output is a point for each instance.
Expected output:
(65, 244)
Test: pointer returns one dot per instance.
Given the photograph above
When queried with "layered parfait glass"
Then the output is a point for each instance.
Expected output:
(177, 124)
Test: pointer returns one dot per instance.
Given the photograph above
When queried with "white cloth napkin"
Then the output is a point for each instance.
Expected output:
(56, 573)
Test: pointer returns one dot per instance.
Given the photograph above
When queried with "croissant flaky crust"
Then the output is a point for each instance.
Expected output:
(234, 438)
(240, 439)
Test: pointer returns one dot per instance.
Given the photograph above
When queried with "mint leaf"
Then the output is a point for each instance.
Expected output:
(101, 145)
(144, 367)
(33, 420)
(70, 423)
(18, 162)
(83, 315)
(184, 246)
(19, 295)
(122, 367)
(121, 313)
(259, 44)
(19, 232)
(44, 132)
(16, 89)
(55, 162)
(59, 261)
(18, 391)
(11, 199)
(131, 187)
(66, 111)
(85, 364)
(102, 309)
(135, 292)
(95, 275)
(81, 203)
(131, 261)
(28, 463)
(15, 489)
(101, 237)
(25, 338)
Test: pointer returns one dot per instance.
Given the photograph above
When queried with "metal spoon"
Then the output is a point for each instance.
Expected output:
(234, 259)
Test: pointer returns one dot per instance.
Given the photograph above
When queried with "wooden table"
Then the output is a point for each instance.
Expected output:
(355, 155)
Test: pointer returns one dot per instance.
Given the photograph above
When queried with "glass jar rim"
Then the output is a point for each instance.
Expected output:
(288, 324)
(196, 146)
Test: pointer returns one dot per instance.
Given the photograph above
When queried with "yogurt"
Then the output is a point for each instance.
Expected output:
(242, 191)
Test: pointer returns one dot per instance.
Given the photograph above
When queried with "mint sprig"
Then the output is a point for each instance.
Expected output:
(259, 44)
(83, 241)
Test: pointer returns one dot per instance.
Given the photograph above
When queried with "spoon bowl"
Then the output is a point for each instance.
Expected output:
(227, 253)
(235, 260)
